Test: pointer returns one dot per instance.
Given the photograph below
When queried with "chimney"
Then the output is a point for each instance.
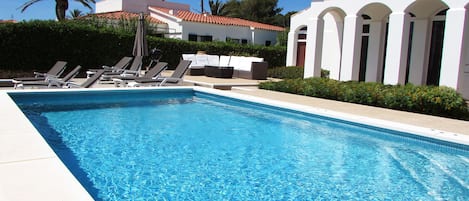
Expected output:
(173, 12)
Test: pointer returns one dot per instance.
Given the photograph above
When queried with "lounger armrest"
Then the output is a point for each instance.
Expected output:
(168, 79)
(108, 67)
(48, 76)
(53, 81)
(71, 85)
(130, 72)
(38, 74)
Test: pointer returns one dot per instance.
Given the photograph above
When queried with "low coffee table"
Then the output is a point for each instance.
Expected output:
(219, 71)
(196, 70)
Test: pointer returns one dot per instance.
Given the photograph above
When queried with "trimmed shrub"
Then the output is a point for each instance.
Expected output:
(438, 101)
(36, 45)
(291, 72)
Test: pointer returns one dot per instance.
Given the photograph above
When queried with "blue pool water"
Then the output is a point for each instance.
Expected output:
(186, 145)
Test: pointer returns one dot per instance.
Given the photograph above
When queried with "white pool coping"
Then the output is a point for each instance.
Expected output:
(30, 170)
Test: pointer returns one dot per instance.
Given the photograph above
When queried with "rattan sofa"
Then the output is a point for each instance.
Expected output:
(243, 67)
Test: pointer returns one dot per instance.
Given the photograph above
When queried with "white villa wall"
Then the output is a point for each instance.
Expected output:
(216, 31)
(331, 49)
(296, 23)
(108, 6)
(237, 32)
(179, 29)
(173, 23)
(136, 6)
(465, 89)
(322, 47)
(221, 32)
(261, 36)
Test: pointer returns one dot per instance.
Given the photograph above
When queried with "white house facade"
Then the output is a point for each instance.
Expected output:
(423, 42)
(181, 23)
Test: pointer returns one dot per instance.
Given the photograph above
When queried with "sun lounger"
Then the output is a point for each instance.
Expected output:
(88, 83)
(55, 71)
(153, 73)
(174, 79)
(50, 82)
(134, 70)
(119, 66)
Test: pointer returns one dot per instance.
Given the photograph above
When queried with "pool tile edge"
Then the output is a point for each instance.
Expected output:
(400, 127)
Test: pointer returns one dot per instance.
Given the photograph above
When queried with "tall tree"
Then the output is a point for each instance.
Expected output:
(202, 6)
(61, 6)
(216, 7)
(232, 9)
(265, 11)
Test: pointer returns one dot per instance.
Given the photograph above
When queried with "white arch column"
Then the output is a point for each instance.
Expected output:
(291, 48)
(314, 48)
(375, 52)
(453, 61)
(398, 40)
(350, 65)
(419, 55)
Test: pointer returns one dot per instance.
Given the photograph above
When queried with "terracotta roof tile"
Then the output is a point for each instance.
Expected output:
(125, 15)
(213, 19)
(7, 21)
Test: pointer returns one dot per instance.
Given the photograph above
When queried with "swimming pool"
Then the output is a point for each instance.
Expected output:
(192, 145)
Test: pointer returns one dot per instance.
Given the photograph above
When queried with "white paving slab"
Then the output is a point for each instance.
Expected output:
(29, 168)
(42, 179)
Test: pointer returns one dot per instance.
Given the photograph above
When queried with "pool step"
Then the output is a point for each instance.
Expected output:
(445, 170)
(413, 173)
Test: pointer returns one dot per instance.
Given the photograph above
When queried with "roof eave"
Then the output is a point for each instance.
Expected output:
(170, 16)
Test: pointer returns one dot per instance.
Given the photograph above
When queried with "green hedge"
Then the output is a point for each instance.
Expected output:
(36, 45)
(438, 101)
(291, 72)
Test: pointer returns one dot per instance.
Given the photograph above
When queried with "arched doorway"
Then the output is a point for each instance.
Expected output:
(426, 41)
(301, 47)
(436, 48)
(332, 37)
(364, 47)
(373, 41)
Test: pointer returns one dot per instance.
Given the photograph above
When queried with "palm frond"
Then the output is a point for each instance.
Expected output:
(87, 3)
(27, 4)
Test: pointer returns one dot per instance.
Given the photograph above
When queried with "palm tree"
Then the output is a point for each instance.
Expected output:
(75, 13)
(216, 7)
(202, 6)
(61, 6)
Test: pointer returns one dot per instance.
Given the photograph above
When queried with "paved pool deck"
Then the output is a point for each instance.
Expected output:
(249, 87)
(30, 170)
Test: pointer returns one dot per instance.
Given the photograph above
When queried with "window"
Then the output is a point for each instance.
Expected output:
(301, 36)
(366, 28)
(244, 41)
(232, 40)
(206, 38)
(268, 43)
(192, 37)
(195, 37)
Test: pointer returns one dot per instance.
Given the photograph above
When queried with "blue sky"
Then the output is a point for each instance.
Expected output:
(45, 9)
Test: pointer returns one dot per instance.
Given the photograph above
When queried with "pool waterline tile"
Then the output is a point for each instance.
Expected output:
(402, 127)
